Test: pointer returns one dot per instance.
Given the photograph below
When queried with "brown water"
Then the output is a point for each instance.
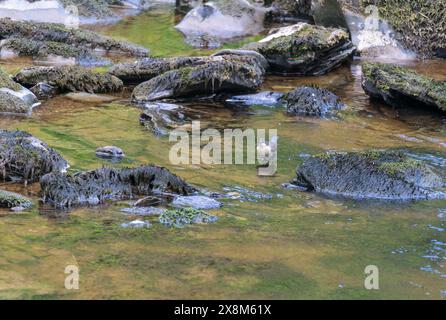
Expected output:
(296, 245)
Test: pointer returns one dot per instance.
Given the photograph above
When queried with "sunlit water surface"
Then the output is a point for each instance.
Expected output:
(295, 245)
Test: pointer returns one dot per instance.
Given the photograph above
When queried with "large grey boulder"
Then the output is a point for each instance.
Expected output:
(304, 49)
(372, 175)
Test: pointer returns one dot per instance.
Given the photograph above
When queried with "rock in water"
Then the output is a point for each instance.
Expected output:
(289, 10)
(95, 187)
(371, 175)
(304, 49)
(222, 19)
(265, 99)
(160, 118)
(312, 101)
(230, 73)
(13, 97)
(148, 68)
(328, 13)
(197, 202)
(399, 86)
(69, 79)
(26, 158)
(13, 200)
(50, 39)
(110, 152)
(44, 91)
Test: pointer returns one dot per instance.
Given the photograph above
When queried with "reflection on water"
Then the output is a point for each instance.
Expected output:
(285, 244)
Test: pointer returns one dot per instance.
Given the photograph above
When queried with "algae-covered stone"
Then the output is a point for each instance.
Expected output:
(304, 49)
(148, 68)
(312, 101)
(74, 42)
(14, 97)
(11, 104)
(23, 157)
(218, 74)
(371, 175)
(95, 187)
(181, 217)
(69, 79)
(400, 86)
(289, 10)
(13, 200)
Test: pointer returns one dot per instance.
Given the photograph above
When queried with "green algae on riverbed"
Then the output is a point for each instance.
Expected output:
(295, 246)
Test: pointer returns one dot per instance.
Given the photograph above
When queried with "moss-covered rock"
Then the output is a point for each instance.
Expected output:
(371, 175)
(51, 38)
(312, 101)
(23, 157)
(13, 97)
(13, 200)
(181, 217)
(12, 104)
(218, 74)
(400, 86)
(288, 10)
(304, 49)
(420, 24)
(69, 79)
(95, 187)
(148, 68)
(92, 8)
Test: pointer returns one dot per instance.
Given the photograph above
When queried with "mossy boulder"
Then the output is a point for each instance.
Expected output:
(304, 49)
(25, 158)
(312, 101)
(218, 74)
(13, 200)
(9, 103)
(400, 86)
(42, 39)
(288, 10)
(95, 187)
(371, 175)
(148, 68)
(69, 79)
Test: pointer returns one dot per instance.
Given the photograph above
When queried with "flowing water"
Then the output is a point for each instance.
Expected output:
(287, 245)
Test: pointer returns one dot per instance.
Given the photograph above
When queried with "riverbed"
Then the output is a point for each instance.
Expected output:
(273, 243)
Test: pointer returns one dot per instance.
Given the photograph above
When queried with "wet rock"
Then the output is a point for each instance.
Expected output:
(182, 217)
(304, 49)
(197, 202)
(261, 60)
(399, 86)
(289, 10)
(23, 157)
(15, 98)
(160, 118)
(223, 19)
(44, 91)
(312, 101)
(69, 79)
(95, 187)
(266, 99)
(148, 68)
(371, 175)
(43, 39)
(110, 152)
(244, 194)
(90, 97)
(137, 224)
(143, 211)
(219, 74)
(328, 13)
(13, 200)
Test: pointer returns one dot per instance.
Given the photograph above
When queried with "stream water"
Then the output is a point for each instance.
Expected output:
(289, 245)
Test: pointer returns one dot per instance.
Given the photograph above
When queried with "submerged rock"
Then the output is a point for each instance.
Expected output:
(26, 158)
(399, 86)
(138, 224)
(13, 97)
(304, 49)
(181, 217)
(69, 78)
(110, 152)
(148, 68)
(49, 39)
(265, 98)
(222, 19)
(13, 200)
(143, 211)
(196, 202)
(44, 91)
(219, 74)
(159, 117)
(312, 101)
(95, 187)
(90, 97)
(371, 175)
